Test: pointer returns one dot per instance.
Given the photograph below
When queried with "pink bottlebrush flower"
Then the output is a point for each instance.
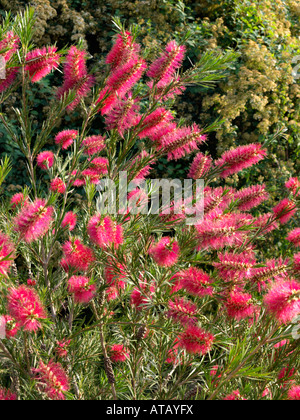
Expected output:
(174, 356)
(76, 77)
(265, 223)
(296, 264)
(107, 100)
(233, 161)
(165, 253)
(52, 379)
(18, 199)
(123, 116)
(66, 138)
(122, 51)
(41, 62)
(162, 130)
(293, 184)
(217, 198)
(234, 396)
(82, 289)
(283, 300)
(182, 311)
(93, 144)
(214, 370)
(77, 255)
(34, 220)
(118, 353)
(235, 266)
(137, 201)
(90, 174)
(239, 305)
(182, 141)
(115, 274)
(164, 68)
(141, 295)
(69, 221)
(11, 327)
(7, 253)
(281, 344)
(45, 160)
(164, 92)
(154, 122)
(195, 281)
(200, 166)
(294, 393)
(58, 185)
(10, 77)
(111, 293)
(286, 373)
(284, 210)
(196, 340)
(104, 232)
(294, 237)
(251, 197)
(9, 45)
(139, 166)
(276, 269)
(99, 165)
(31, 282)
(61, 348)
(25, 307)
(7, 395)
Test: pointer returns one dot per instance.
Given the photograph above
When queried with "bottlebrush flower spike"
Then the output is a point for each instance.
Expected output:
(45, 160)
(182, 141)
(163, 69)
(52, 379)
(182, 311)
(139, 165)
(251, 197)
(118, 353)
(115, 274)
(265, 223)
(10, 76)
(122, 51)
(296, 264)
(283, 300)
(195, 281)
(235, 266)
(25, 307)
(61, 348)
(293, 184)
(195, 340)
(11, 326)
(123, 116)
(7, 253)
(76, 77)
(239, 305)
(58, 185)
(9, 45)
(284, 210)
(154, 122)
(294, 393)
(77, 255)
(234, 396)
(34, 220)
(93, 144)
(165, 253)
(66, 138)
(41, 62)
(104, 232)
(240, 158)
(99, 165)
(276, 269)
(82, 289)
(7, 395)
(142, 294)
(200, 166)
(217, 198)
(69, 221)
(294, 237)
(18, 199)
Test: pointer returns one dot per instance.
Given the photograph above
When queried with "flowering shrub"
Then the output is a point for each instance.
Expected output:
(136, 305)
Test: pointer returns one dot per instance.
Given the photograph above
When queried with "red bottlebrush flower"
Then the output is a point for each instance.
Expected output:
(234, 396)
(164, 68)
(294, 393)
(115, 274)
(122, 51)
(182, 141)
(45, 160)
(296, 264)
(99, 165)
(196, 340)
(293, 184)
(34, 220)
(76, 77)
(104, 232)
(82, 289)
(174, 356)
(162, 130)
(11, 326)
(93, 145)
(214, 370)
(7, 395)
(165, 253)
(7, 253)
(200, 166)
(240, 158)
(139, 166)
(286, 373)
(25, 307)
(251, 197)
(217, 198)
(58, 185)
(41, 62)
(52, 379)
(182, 311)
(281, 344)
(61, 348)
(77, 255)
(154, 122)
(137, 201)
(9, 45)
(111, 293)
(283, 300)
(31, 282)
(265, 223)
(239, 305)
(118, 353)
(294, 237)
(10, 76)
(66, 138)
(142, 294)
(18, 199)
(235, 266)
(284, 210)
(123, 116)
(276, 269)
(69, 221)
(195, 281)
(164, 92)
